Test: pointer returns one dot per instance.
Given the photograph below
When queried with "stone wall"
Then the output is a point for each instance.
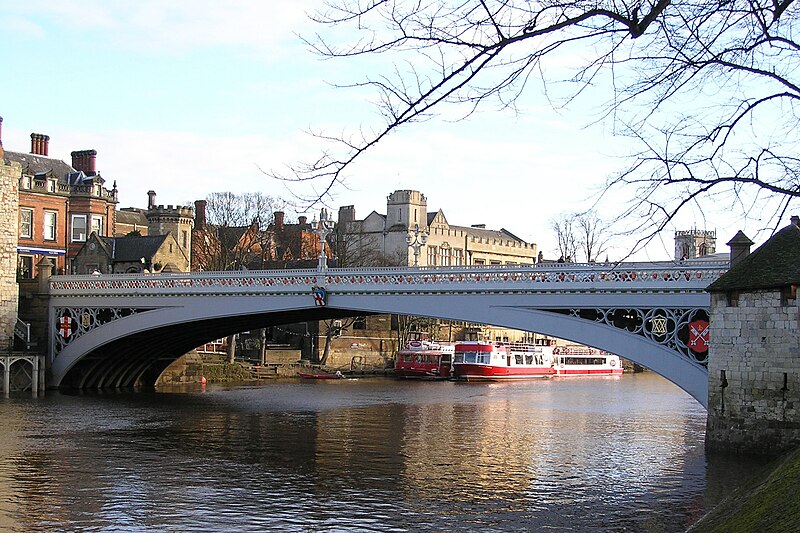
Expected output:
(754, 374)
(9, 230)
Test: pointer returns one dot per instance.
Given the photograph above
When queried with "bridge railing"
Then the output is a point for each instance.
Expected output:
(666, 276)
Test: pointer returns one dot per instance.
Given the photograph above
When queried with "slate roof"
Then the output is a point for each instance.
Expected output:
(774, 264)
(125, 216)
(133, 248)
(34, 165)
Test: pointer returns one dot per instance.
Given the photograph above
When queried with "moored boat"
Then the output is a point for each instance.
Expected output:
(308, 375)
(585, 361)
(490, 361)
(423, 359)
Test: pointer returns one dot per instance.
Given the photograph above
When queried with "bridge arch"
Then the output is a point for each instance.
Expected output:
(137, 348)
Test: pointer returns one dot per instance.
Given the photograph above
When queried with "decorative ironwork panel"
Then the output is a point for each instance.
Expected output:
(685, 331)
(73, 322)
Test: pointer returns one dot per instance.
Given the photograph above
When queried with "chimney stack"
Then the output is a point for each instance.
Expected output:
(740, 247)
(40, 144)
(795, 219)
(278, 215)
(199, 213)
(85, 161)
(151, 199)
(302, 220)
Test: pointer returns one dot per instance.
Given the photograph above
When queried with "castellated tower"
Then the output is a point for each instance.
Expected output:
(177, 220)
(9, 231)
(406, 208)
(690, 244)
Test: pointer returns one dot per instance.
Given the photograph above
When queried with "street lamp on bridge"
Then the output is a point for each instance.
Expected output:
(322, 228)
(416, 241)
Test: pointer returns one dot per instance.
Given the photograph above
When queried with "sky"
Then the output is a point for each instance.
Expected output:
(188, 98)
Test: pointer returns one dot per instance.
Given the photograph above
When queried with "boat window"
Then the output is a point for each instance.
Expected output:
(445, 360)
(518, 358)
(482, 359)
(529, 359)
(584, 360)
(407, 357)
(458, 358)
(420, 358)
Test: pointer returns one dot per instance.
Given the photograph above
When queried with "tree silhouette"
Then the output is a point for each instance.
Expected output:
(706, 90)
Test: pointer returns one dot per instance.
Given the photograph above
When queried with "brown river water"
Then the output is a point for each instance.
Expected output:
(371, 454)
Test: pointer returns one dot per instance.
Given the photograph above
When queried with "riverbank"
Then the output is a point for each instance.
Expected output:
(767, 502)
(193, 368)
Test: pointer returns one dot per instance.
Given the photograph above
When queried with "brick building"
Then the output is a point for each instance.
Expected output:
(60, 204)
(279, 245)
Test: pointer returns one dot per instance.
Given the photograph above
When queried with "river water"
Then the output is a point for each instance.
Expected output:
(371, 454)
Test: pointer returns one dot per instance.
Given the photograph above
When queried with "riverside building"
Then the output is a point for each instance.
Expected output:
(408, 234)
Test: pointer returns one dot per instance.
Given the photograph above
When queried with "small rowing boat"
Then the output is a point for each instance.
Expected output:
(306, 375)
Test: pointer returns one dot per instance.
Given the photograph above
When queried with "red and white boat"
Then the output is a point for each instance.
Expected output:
(424, 360)
(488, 361)
(584, 361)
(491, 361)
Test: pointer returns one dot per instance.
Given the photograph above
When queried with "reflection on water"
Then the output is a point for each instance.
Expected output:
(589, 454)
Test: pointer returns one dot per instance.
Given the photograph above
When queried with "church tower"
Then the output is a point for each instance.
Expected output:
(694, 243)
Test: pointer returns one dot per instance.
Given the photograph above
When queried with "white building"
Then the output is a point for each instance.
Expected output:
(408, 229)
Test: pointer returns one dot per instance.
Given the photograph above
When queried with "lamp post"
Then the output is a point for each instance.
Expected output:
(416, 241)
(323, 228)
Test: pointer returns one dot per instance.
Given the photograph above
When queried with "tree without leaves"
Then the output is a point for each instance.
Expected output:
(707, 89)
(234, 235)
(592, 236)
(563, 227)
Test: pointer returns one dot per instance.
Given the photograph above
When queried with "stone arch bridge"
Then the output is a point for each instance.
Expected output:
(122, 330)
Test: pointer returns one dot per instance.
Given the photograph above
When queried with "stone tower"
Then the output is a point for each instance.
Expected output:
(177, 220)
(690, 244)
(9, 230)
(406, 208)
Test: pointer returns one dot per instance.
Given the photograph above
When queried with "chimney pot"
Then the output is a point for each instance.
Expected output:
(85, 161)
(278, 215)
(795, 219)
(199, 213)
(740, 247)
(151, 199)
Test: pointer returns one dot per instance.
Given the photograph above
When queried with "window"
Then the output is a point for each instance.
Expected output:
(458, 257)
(360, 322)
(788, 295)
(25, 267)
(733, 298)
(78, 228)
(97, 225)
(444, 255)
(184, 238)
(26, 223)
(480, 261)
(432, 251)
(50, 218)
